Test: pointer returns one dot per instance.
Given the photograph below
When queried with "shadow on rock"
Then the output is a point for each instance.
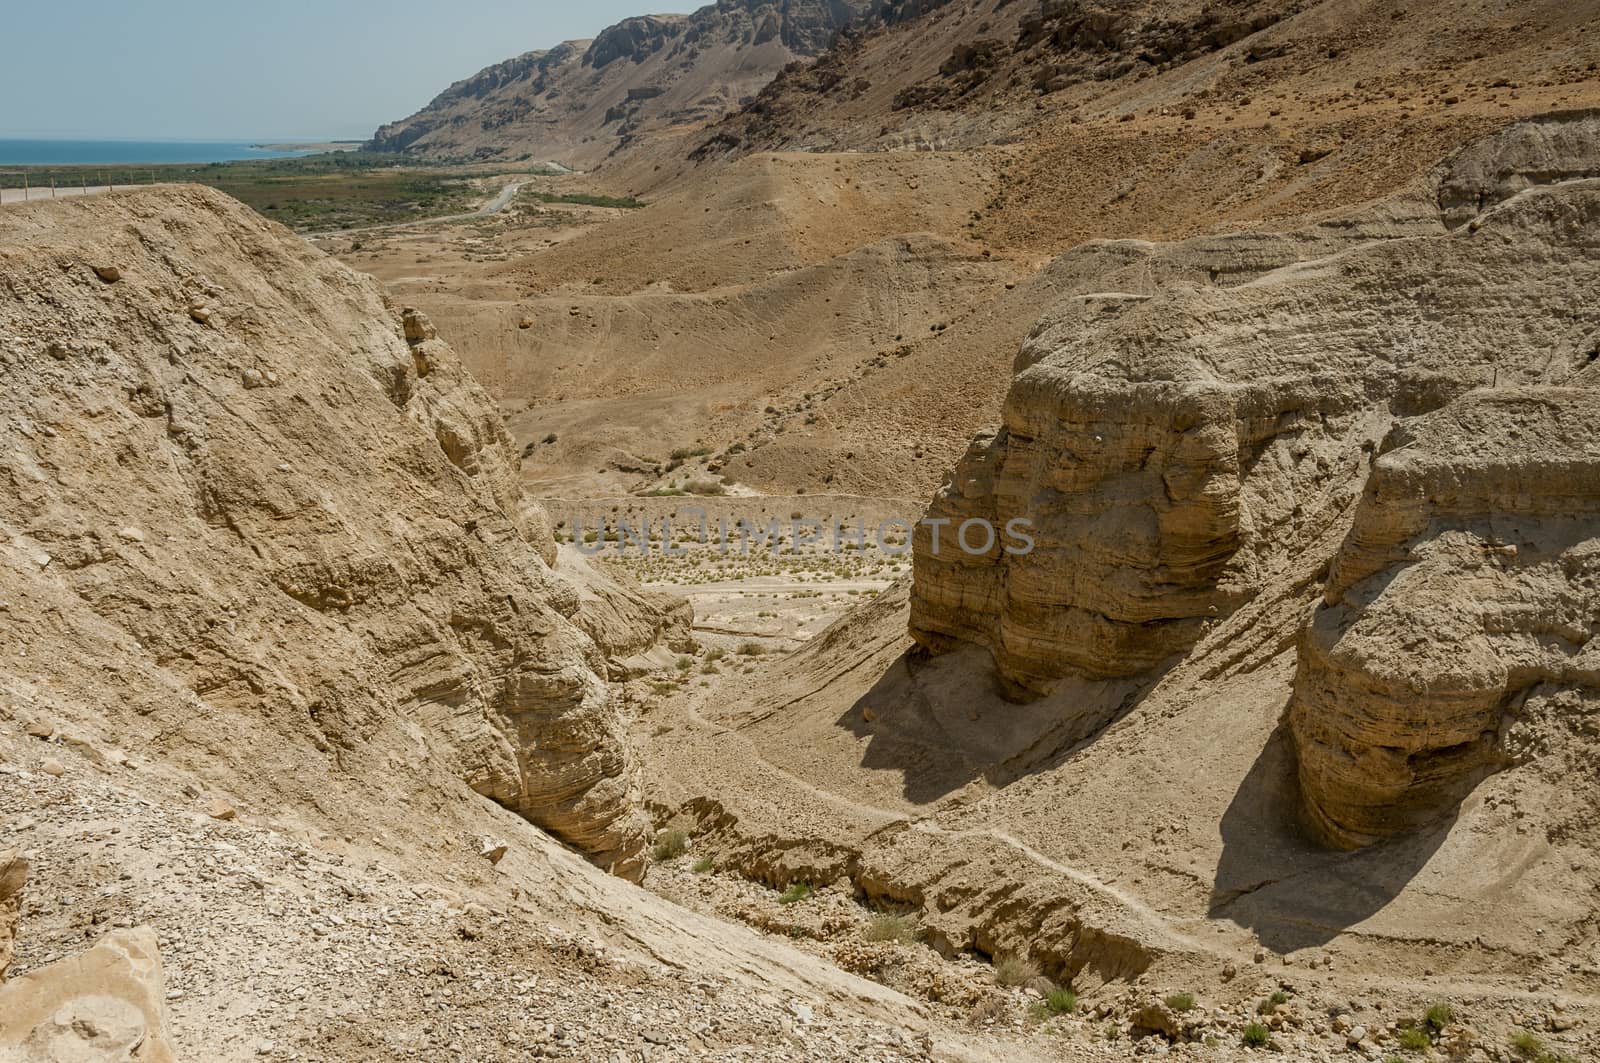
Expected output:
(1276, 880)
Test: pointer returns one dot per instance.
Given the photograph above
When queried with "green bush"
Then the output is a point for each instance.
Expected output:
(702, 865)
(1413, 1039)
(796, 893)
(1256, 1035)
(1181, 1002)
(1061, 1001)
(1440, 1015)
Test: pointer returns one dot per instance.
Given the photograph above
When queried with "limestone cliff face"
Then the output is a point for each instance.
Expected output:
(1184, 450)
(253, 513)
(1469, 581)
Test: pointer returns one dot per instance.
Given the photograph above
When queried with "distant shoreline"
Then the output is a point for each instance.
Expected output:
(312, 146)
(52, 152)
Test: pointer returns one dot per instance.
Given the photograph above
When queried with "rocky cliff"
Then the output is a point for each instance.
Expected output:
(254, 515)
(1185, 449)
(579, 101)
(1468, 585)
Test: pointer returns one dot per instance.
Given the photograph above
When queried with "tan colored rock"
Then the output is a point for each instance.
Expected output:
(13, 877)
(1175, 454)
(104, 1005)
(217, 808)
(109, 274)
(1469, 583)
(346, 583)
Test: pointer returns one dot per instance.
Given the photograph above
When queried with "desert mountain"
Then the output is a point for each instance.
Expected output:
(578, 102)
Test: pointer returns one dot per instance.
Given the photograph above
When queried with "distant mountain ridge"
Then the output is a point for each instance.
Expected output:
(581, 100)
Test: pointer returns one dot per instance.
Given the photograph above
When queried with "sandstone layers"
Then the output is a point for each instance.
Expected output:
(1183, 452)
(254, 515)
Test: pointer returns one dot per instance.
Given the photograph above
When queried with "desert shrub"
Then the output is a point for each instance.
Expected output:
(885, 926)
(1181, 1002)
(796, 893)
(670, 844)
(751, 649)
(1061, 1001)
(702, 865)
(1439, 1015)
(1278, 997)
(1013, 970)
(1255, 1035)
(1413, 1039)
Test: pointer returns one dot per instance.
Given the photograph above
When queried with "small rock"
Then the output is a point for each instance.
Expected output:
(217, 808)
(252, 378)
(525, 323)
(266, 1048)
(130, 535)
(39, 729)
(200, 314)
(1355, 1035)
(53, 767)
(109, 274)
(492, 851)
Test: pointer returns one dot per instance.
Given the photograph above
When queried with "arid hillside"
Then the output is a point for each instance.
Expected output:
(581, 101)
(289, 679)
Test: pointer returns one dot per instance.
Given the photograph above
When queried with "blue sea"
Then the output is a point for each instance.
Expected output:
(128, 152)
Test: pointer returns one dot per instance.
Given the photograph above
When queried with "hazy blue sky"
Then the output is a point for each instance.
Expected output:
(231, 69)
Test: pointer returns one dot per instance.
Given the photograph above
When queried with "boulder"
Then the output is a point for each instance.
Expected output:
(104, 1005)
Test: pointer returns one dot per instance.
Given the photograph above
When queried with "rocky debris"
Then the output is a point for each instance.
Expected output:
(344, 555)
(492, 850)
(219, 809)
(106, 1004)
(13, 877)
(109, 274)
(1467, 585)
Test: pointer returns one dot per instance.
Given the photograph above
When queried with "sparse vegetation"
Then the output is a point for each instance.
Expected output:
(885, 926)
(1278, 997)
(796, 893)
(1255, 1035)
(1011, 969)
(751, 649)
(1181, 1002)
(1439, 1016)
(702, 865)
(1413, 1039)
(584, 199)
(670, 844)
(1061, 1001)
(1527, 1044)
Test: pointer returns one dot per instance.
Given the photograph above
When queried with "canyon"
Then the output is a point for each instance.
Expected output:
(392, 673)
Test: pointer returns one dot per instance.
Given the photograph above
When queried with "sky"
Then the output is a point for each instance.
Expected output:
(269, 69)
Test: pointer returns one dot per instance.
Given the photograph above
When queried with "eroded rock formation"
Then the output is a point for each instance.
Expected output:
(270, 504)
(1180, 452)
(1470, 580)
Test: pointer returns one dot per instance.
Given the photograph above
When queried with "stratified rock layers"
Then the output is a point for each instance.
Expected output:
(1175, 455)
(284, 517)
(1471, 578)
